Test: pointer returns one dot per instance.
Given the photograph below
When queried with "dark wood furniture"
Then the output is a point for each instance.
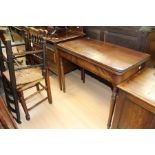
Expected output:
(111, 62)
(134, 37)
(52, 39)
(6, 119)
(55, 35)
(141, 38)
(52, 58)
(18, 79)
(135, 104)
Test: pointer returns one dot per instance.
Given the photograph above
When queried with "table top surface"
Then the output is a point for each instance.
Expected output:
(113, 57)
(63, 36)
(142, 86)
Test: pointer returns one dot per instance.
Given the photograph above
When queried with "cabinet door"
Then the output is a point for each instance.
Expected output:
(51, 59)
(129, 114)
(120, 39)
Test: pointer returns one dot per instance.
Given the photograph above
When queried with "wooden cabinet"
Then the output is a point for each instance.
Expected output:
(135, 103)
(151, 43)
(52, 54)
(134, 37)
(51, 59)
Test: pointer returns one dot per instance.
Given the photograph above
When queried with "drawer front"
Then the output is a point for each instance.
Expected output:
(52, 62)
(51, 59)
(50, 55)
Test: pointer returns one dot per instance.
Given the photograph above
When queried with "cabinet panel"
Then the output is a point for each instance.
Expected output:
(120, 39)
(52, 63)
(134, 37)
(129, 114)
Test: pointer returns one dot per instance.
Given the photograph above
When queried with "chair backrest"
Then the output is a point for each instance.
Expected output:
(37, 49)
(6, 118)
(10, 87)
(35, 41)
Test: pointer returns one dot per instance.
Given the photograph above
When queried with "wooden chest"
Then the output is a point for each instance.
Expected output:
(52, 54)
(51, 60)
(135, 103)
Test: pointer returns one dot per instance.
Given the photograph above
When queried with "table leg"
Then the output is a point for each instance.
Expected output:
(83, 75)
(58, 69)
(112, 105)
(62, 75)
(59, 77)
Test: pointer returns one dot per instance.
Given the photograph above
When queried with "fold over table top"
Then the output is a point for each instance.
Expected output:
(109, 56)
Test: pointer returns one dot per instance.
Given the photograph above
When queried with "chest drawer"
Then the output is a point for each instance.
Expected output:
(50, 55)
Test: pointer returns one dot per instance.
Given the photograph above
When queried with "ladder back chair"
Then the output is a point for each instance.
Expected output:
(21, 78)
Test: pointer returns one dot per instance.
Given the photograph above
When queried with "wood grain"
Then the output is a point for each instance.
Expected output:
(116, 58)
(135, 105)
(142, 86)
(111, 62)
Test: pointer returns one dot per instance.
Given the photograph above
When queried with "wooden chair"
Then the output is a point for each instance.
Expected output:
(6, 119)
(21, 78)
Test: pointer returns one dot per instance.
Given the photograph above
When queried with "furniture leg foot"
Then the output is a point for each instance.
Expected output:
(37, 86)
(17, 120)
(27, 117)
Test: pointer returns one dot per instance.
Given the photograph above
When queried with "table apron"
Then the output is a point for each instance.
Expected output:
(101, 72)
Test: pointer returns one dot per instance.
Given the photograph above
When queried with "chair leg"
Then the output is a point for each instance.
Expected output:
(23, 103)
(47, 81)
(83, 75)
(37, 86)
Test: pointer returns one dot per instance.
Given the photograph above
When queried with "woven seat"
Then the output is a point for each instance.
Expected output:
(25, 76)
